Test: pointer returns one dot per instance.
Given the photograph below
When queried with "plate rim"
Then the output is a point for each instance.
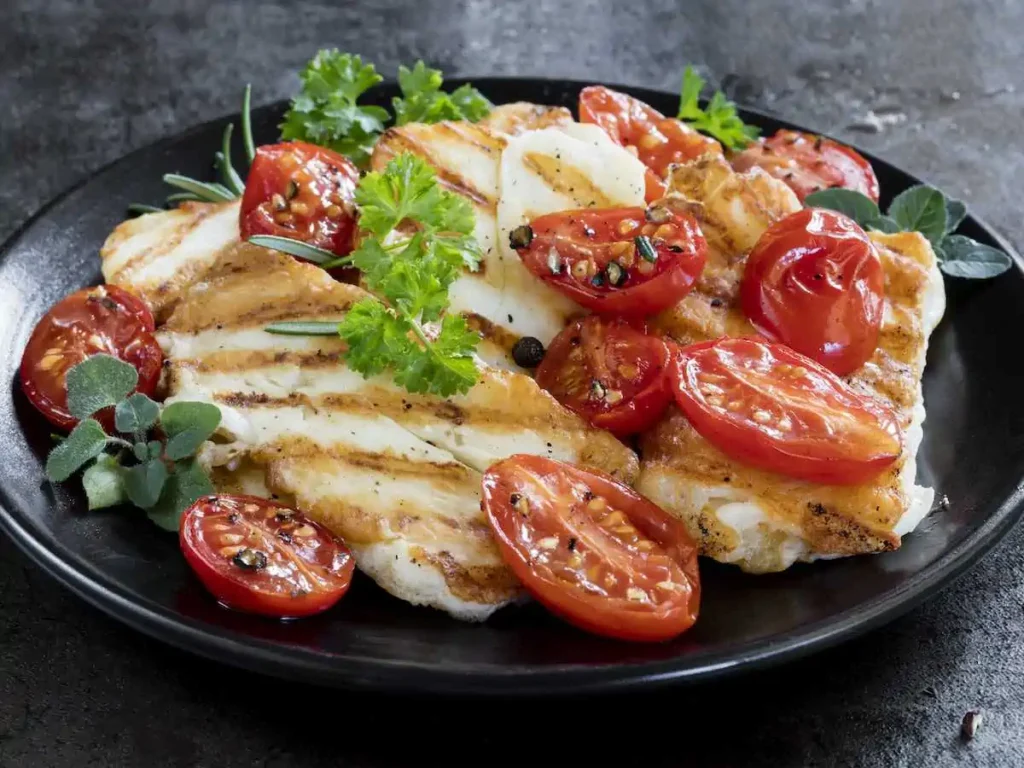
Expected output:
(244, 651)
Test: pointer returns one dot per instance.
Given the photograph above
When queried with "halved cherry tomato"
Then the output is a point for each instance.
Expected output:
(814, 281)
(768, 406)
(659, 141)
(809, 163)
(608, 372)
(593, 550)
(623, 261)
(303, 192)
(103, 319)
(259, 556)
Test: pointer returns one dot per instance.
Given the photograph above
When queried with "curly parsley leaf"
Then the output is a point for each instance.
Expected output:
(719, 119)
(326, 112)
(423, 101)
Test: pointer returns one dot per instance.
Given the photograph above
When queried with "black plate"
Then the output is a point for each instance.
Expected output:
(127, 567)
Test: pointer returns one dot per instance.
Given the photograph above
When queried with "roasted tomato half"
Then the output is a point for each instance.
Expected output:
(809, 163)
(303, 192)
(609, 372)
(616, 261)
(592, 550)
(814, 281)
(100, 320)
(658, 141)
(765, 405)
(257, 556)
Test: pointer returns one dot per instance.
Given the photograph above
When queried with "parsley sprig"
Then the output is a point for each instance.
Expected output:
(409, 333)
(423, 101)
(923, 209)
(719, 119)
(157, 473)
(326, 111)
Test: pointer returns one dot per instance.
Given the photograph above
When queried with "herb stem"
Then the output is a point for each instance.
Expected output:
(228, 174)
(140, 208)
(341, 261)
(119, 442)
(250, 146)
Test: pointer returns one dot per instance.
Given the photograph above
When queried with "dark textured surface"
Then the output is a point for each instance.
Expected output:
(81, 86)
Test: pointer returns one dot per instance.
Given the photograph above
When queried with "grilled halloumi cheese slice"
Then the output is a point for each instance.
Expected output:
(522, 161)
(758, 520)
(397, 475)
(157, 256)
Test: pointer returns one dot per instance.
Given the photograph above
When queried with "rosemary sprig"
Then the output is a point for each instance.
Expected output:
(296, 248)
(231, 184)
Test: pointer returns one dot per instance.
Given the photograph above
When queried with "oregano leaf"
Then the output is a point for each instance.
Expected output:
(188, 425)
(186, 484)
(103, 483)
(144, 483)
(86, 441)
(857, 206)
(964, 257)
(136, 414)
(923, 209)
(956, 212)
(98, 382)
(884, 224)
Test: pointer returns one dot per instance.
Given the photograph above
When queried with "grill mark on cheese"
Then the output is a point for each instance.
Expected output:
(567, 180)
(400, 139)
(475, 584)
(197, 213)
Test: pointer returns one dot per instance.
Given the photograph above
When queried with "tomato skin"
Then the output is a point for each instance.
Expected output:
(564, 530)
(658, 140)
(321, 208)
(589, 242)
(596, 349)
(307, 569)
(814, 281)
(101, 319)
(813, 426)
(809, 163)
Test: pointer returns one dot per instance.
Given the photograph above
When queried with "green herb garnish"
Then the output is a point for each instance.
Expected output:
(326, 111)
(423, 101)
(412, 274)
(719, 119)
(160, 476)
(923, 209)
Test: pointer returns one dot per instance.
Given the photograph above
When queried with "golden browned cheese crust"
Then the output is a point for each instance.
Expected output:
(397, 475)
(678, 465)
(158, 256)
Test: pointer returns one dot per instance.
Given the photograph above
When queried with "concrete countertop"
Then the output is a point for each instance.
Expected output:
(936, 87)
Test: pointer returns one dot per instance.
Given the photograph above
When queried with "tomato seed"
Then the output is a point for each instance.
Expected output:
(278, 202)
(669, 585)
(664, 232)
(231, 538)
(626, 226)
(250, 508)
(548, 542)
(229, 551)
(596, 504)
(644, 545)
(648, 230)
(305, 530)
(299, 208)
(628, 371)
(650, 141)
(636, 594)
(575, 560)
(333, 212)
(761, 417)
